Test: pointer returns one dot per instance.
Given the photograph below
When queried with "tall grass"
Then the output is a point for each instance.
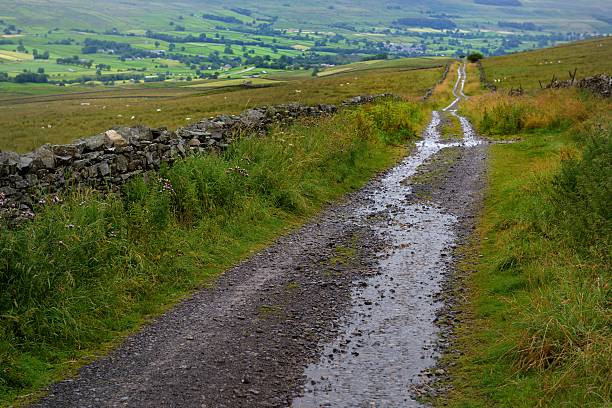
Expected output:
(86, 271)
(539, 331)
(565, 328)
(503, 115)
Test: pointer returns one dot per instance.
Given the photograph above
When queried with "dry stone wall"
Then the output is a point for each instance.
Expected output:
(109, 159)
(431, 90)
(484, 79)
(599, 84)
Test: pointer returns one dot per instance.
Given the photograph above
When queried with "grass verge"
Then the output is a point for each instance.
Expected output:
(93, 268)
(537, 330)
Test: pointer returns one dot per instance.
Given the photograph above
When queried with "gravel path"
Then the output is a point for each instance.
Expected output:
(339, 313)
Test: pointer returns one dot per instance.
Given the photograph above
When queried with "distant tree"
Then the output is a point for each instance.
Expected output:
(475, 57)
(157, 44)
(33, 77)
(37, 55)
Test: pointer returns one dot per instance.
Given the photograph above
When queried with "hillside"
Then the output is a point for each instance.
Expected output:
(35, 120)
(115, 43)
(126, 15)
(528, 69)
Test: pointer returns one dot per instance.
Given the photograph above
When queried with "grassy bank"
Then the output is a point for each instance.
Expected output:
(92, 268)
(536, 329)
(590, 57)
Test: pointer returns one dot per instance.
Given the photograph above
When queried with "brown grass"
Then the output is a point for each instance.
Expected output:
(61, 119)
(472, 84)
(553, 109)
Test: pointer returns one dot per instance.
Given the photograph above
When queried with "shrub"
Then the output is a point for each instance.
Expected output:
(475, 57)
(581, 196)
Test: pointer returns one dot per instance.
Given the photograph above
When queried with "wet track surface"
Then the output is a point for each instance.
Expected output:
(387, 339)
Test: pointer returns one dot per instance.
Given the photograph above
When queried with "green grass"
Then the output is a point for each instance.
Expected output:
(93, 268)
(536, 329)
(526, 69)
(451, 127)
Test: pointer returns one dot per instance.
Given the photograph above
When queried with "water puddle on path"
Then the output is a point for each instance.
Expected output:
(388, 337)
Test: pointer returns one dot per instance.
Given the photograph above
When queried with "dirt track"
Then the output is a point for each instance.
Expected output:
(340, 313)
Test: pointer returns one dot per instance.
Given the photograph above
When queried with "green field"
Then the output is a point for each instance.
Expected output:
(185, 40)
(30, 121)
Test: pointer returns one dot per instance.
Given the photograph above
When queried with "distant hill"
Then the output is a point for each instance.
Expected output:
(504, 3)
(316, 14)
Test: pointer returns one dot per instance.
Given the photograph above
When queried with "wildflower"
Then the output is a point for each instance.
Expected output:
(166, 185)
(70, 226)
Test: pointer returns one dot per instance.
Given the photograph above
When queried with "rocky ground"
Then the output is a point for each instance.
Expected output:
(347, 311)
